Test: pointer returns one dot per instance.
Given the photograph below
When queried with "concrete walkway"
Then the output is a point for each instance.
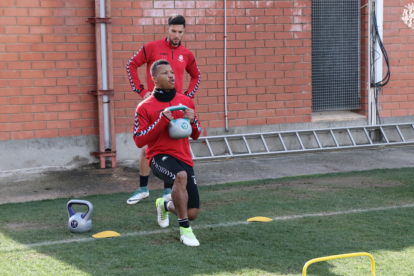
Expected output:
(20, 186)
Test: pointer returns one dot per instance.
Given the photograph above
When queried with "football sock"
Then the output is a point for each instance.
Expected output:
(143, 189)
(143, 181)
(166, 192)
(168, 186)
(184, 223)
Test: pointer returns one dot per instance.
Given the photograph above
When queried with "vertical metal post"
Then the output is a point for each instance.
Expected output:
(104, 76)
(225, 65)
(379, 15)
(372, 112)
(105, 85)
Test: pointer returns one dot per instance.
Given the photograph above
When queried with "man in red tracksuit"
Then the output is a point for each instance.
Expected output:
(180, 59)
(170, 159)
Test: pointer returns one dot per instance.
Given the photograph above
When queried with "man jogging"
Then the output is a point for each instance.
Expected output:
(180, 59)
(170, 159)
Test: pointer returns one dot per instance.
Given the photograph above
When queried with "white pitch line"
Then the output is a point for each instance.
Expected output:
(143, 233)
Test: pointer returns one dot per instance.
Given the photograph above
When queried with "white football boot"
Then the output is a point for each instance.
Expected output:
(187, 237)
(162, 215)
(138, 195)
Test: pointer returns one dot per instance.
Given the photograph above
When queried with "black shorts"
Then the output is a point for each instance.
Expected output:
(165, 167)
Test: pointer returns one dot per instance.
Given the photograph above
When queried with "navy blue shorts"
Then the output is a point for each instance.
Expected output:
(166, 167)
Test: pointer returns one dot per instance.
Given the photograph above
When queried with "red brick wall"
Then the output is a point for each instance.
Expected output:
(47, 65)
(268, 49)
(47, 62)
(397, 98)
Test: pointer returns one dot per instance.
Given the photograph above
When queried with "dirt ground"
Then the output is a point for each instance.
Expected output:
(29, 185)
(92, 181)
(88, 180)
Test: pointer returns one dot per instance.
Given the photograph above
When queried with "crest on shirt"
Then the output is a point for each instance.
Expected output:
(181, 58)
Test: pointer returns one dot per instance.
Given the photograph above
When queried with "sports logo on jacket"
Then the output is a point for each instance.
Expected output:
(164, 56)
(181, 58)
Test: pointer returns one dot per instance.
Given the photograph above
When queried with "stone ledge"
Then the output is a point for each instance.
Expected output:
(336, 116)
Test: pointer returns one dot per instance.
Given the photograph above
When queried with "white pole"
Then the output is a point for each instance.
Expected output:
(372, 114)
(379, 15)
(104, 77)
(225, 65)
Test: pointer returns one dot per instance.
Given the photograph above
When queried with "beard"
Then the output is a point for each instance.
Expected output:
(174, 42)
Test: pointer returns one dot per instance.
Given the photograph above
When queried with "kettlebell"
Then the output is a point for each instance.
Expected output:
(79, 222)
(179, 128)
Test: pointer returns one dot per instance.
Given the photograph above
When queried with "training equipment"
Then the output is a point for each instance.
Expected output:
(79, 222)
(187, 237)
(260, 219)
(162, 215)
(293, 141)
(106, 234)
(179, 128)
(138, 195)
(341, 257)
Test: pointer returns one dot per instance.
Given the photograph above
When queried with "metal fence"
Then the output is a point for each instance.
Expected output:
(336, 59)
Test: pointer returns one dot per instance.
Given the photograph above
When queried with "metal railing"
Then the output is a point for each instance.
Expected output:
(365, 131)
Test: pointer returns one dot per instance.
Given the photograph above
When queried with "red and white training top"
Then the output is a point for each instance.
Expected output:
(152, 130)
(180, 59)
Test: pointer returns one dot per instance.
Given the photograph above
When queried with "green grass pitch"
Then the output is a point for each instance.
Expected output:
(229, 245)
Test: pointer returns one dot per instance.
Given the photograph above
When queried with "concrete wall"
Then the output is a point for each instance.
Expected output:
(66, 152)
(61, 152)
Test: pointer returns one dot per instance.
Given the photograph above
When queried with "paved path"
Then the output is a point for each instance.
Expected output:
(21, 185)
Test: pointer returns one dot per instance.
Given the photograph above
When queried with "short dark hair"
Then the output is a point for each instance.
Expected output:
(176, 19)
(155, 65)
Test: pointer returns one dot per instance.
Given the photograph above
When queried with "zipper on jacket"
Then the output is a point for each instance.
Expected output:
(172, 54)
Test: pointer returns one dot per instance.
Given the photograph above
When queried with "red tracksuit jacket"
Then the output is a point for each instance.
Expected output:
(180, 58)
(152, 130)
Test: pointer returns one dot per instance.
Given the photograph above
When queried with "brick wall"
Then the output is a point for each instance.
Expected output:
(47, 62)
(47, 65)
(397, 98)
(268, 50)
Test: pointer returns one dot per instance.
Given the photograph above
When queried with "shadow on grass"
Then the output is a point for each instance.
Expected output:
(276, 248)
